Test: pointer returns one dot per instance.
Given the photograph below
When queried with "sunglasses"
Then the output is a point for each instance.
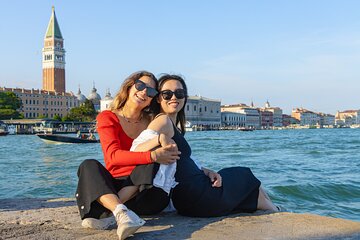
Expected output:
(140, 85)
(167, 94)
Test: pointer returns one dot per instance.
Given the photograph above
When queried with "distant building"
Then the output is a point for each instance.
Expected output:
(40, 103)
(266, 118)
(287, 120)
(233, 119)
(348, 117)
(277, 114)
(106, 102)
(81, 97)
(203, 113)
(252, 114)
(95, 98)
(52, 99)
(306, 117)
(53, 57)
(327, 119)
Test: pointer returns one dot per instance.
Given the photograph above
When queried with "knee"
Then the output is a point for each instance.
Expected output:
(88, 165)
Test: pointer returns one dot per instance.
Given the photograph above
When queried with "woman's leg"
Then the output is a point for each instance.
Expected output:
(127, 193)
(264, 202)
(149, 201)
(96, 194)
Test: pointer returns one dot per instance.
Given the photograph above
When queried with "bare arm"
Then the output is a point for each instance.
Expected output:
(167, 152)
(163, 126)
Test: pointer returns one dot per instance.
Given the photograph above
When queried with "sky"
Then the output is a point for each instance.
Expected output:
(290, 53)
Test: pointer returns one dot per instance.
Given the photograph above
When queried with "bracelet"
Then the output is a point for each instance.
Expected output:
(159, 140)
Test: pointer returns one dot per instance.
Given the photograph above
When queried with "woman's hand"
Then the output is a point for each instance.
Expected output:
(166, 155)
(215, 177)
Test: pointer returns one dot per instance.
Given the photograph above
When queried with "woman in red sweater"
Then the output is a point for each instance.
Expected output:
(102, 190)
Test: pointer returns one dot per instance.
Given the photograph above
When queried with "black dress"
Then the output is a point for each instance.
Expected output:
(195, 196)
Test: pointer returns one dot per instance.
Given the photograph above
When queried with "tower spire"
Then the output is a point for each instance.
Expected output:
(53, 57)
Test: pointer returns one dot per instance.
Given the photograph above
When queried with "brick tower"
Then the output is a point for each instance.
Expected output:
(53, 57)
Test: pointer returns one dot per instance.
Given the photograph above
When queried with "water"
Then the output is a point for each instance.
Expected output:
(306, 171)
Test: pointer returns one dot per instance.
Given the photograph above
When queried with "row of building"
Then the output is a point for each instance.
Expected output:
(201, 112)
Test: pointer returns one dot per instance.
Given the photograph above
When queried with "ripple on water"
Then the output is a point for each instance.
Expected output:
(315, 171)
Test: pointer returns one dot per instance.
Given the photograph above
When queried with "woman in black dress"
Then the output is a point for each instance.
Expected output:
(202, 192)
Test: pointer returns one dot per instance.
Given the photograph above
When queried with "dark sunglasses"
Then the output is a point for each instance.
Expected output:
(167, 94)
(140, 85)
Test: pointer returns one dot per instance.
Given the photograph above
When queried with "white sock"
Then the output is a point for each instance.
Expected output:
(118, 208)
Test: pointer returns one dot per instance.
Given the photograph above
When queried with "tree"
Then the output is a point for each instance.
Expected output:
(9, 103)
(57, 118)
(84, 113)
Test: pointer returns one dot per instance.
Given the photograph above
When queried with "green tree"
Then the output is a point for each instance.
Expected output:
(57, 118)
(84, 113)
(9, 103)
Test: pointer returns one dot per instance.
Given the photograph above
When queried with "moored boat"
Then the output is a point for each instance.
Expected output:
(54, 138)
(3, 133)
(245, 129)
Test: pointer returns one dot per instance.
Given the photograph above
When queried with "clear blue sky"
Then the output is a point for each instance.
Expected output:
(293, 53)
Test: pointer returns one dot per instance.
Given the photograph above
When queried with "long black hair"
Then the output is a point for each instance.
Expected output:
(180, 117)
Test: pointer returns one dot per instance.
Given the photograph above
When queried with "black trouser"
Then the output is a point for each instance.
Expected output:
(95, 181)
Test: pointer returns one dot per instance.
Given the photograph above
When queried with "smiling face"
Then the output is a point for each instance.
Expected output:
(173, 105)
(140, 98)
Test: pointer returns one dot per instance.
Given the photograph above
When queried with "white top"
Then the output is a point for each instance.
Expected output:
(165, 177)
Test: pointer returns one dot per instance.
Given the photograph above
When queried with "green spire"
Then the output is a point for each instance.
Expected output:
(53, 29)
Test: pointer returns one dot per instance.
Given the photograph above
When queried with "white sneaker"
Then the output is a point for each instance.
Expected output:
(99, 224)
(128, 223)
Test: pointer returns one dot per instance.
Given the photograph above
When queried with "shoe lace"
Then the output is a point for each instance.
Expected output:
(123, 216)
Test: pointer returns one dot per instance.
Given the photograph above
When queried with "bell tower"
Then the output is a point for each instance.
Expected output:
(53, 57)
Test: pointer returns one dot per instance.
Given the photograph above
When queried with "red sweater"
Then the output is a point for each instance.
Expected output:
(115, 144)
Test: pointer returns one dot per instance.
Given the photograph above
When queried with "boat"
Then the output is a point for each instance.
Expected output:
(11, 129)
(54, 138)
(245, 129)
(3, 131)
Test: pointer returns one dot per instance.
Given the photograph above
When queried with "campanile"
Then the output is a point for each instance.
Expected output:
(53, 57)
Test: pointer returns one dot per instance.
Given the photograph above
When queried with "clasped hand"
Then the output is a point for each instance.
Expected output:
(168, 152)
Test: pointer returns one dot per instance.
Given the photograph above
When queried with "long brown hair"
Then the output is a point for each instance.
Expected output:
(180, 117)
(123, 94)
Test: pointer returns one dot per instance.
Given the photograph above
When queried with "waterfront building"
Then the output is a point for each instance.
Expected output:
(233, 120)
(306, 117)
(327, 119)
(252, 114)
(40, 103)
(53, 57)
(347, 117)
(106, 102)
(288, 120)
(277, 114)
(266, 118)
(203, 113)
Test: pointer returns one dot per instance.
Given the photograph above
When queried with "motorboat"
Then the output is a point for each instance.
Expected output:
(55, 138)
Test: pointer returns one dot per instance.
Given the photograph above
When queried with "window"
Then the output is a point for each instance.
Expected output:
(187, 107)
(205, 108)
(194, 108)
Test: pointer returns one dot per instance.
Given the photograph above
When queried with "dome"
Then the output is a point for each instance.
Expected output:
(80, 96)
(108, 95)
(94, 96)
